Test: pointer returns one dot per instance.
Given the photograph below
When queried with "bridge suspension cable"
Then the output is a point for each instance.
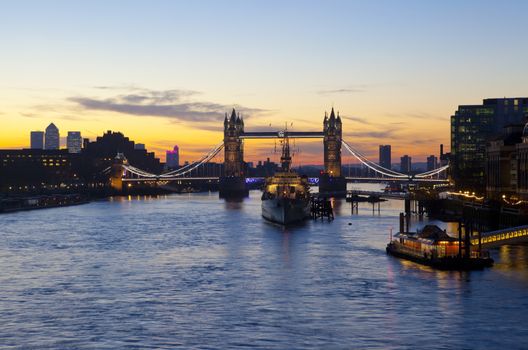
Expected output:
(138, 172)
(371, 165)
(388, 172)
(178, 172)
(204, 159)
(432, 172)
(106, 170)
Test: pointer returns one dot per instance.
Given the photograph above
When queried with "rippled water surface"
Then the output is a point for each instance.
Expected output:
(194, 271)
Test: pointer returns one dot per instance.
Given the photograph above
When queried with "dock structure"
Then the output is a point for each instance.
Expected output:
(355, 197)
(377, 194)
(321, 207)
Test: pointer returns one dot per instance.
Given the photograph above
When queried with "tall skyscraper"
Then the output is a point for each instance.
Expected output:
(37, 140)
(52, 140)
(432, 162)
(385, 156)
(74, 142)
(405, 165)
(173, 158)
(472, 126)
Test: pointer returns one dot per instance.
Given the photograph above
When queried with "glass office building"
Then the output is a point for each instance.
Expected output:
(472, 127)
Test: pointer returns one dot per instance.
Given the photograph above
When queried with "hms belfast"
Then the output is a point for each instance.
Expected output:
(286, 195)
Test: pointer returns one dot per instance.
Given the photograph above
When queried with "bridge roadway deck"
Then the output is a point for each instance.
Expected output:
(387, 179)
(281, 134)
(212, 178)
(179, 178)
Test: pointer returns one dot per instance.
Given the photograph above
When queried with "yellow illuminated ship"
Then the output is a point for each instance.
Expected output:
(286, 195)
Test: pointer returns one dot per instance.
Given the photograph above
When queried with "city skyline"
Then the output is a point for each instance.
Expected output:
(171, 79)
(301, 174)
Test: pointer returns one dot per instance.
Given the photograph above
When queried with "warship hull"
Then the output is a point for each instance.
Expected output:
(285, 211)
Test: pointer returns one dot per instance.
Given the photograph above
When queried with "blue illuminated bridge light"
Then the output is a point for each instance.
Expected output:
(255, 180)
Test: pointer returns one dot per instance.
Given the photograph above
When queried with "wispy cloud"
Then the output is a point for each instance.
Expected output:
(417, 115)
(172, 104)
(357, 119)
(29, 115)
(421, 115)
(347, 90)
(61, 116)
(371, 134)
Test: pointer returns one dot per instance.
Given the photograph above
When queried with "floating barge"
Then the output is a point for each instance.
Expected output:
(432, 246)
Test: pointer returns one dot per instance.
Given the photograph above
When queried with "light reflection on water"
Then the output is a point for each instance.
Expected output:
(195, 271)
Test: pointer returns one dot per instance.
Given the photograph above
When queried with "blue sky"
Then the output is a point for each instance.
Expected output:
(382, 61)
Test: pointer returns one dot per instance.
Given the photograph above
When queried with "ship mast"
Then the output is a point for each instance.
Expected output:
(285, 157)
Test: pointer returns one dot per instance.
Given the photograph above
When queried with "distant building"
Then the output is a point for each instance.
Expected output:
(37, 170)
(101, 153)
(37, 140)
(139, 146)
(405, 164)
(74, 142)
(173, 158)
(472, 126)
(52, 139)
(432, 162)
(264, 169)
(385, 156)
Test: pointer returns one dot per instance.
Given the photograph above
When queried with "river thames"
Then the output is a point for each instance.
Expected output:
(193, 271)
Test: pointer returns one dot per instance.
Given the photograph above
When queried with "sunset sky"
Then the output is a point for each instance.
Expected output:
(165, 72)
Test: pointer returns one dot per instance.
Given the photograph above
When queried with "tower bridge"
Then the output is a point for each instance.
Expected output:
(233, 180)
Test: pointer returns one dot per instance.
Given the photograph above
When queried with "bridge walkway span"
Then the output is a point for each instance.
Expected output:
(512, 235)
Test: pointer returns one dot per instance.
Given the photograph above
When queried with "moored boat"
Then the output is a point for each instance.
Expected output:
(432, 246)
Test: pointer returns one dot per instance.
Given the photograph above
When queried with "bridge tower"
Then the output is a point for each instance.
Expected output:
(233, 181)
(331, 181)
(116, 173)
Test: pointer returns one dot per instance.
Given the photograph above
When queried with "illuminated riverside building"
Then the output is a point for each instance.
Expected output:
(33, 170)
(472, 126)
(507, 165)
